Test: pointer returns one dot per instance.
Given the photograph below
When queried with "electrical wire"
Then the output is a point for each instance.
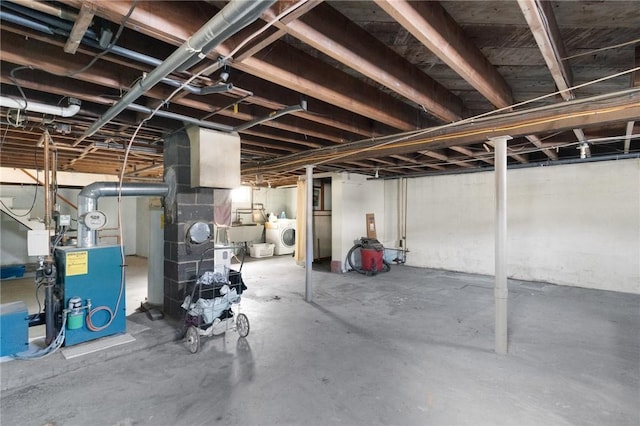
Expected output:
(591, 52)
(14, 80)
(90, 314)
(399, 138)
(35, 192)
(471, 119)
(263, 29)
(38, 286)
(80, 70)
(110, 46)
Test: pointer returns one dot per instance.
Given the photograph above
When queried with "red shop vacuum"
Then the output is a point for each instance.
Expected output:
(371, 257)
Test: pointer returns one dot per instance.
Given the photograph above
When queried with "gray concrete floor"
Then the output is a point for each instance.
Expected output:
(411, 346)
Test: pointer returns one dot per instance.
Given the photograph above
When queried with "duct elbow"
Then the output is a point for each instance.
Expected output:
(70, 111)
(95, 190)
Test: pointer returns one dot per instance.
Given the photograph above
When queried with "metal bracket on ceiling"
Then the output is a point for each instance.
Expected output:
(273, 115)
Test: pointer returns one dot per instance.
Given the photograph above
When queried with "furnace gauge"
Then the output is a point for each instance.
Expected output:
(95, 220)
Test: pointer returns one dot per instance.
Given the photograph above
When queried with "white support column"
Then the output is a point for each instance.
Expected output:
(308, 259)
(500, 289)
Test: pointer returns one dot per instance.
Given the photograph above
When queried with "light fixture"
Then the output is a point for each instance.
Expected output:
(377, 176)
(224, 74)
(584, 150)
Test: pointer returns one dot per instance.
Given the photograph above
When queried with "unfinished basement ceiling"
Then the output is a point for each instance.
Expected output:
(393, 88)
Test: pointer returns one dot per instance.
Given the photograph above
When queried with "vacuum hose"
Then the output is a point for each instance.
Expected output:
(367, 243)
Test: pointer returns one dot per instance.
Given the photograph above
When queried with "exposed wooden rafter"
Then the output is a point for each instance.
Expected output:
(542, 21)
(430, 23)
(333, 34)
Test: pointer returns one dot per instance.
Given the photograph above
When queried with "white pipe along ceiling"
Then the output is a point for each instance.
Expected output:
(21, 104)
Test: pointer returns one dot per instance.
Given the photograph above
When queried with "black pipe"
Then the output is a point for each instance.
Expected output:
(49, 272)
(35, 320)
(40, 16)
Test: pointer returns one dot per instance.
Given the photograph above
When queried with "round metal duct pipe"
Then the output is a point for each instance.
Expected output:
(88, 202)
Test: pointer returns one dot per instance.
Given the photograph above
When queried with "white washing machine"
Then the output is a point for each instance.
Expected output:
(281, 233)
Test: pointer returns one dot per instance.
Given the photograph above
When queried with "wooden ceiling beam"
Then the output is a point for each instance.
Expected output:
(569, 115)
(80, 26)
(414, 161)
(330, 32)
(635, 82)
(518, 157)
(471, 154)
(281, 65)
(539, 144)
(430, 23)
(23, 52)
(263, 94)
(542, 22)
(438, 156)
(434, 27)
(276, 34)
(301, 72)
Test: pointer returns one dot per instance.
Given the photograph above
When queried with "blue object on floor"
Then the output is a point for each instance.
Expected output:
(14, 328)
(12, 271)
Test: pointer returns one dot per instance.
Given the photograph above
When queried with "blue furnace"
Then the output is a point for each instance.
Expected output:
(95, 276)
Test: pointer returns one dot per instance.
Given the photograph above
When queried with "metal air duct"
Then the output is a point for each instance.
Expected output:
(88, 202)
(68, 111)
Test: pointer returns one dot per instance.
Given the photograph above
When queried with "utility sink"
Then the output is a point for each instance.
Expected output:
(245, 232)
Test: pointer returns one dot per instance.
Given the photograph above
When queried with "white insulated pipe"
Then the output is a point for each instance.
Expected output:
(500, 289)
(56, 110)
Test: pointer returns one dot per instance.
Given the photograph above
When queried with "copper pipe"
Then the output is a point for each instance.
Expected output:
(48, 9)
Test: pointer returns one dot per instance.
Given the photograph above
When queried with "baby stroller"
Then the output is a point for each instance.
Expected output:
(212, 305)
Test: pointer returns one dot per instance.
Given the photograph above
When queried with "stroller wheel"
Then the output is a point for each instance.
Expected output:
(181, 332)
(193, 339)
(242, 325)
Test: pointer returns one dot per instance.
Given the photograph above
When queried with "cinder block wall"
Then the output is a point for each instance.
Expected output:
(182, 209)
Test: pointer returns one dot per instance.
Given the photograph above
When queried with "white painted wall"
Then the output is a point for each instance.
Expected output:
(13, 237)
(353, 196)
(275, 200)
(576, 225)
(142, 226)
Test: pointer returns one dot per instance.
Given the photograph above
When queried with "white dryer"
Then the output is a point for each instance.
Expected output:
(281, 233)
